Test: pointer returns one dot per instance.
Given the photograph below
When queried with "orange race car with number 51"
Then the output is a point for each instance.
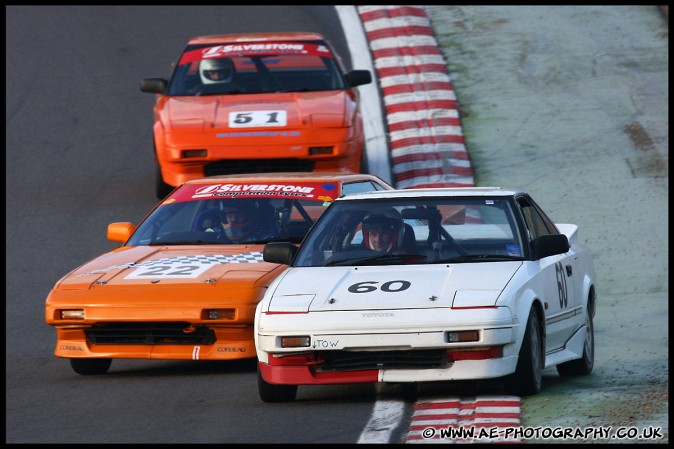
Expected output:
(256, 103)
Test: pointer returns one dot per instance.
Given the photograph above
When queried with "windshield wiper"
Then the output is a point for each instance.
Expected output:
(302, 89)
(226, 92)
(285, 238)
(259, 242)
(373, 260)
(183, 242)
(479, 258)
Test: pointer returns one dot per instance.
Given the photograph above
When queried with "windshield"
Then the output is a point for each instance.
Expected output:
(235, 213)
(251, 68)
(413, 231)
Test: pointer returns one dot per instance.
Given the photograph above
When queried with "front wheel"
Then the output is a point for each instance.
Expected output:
(88, 367)
(584, 365)
(275, 393)
(528, 376)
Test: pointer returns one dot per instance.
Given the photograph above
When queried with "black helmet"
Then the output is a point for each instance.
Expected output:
(239, 205)
(387, 220)
(379, 223)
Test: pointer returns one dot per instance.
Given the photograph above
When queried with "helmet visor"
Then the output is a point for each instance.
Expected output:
(216, 75)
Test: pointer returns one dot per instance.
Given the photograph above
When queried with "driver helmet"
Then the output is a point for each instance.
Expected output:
(237, 218)
(216, 71)
(389, 221)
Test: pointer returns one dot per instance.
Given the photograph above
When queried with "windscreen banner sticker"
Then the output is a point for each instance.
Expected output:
(255, 49)
(181, 267)
(324, 192)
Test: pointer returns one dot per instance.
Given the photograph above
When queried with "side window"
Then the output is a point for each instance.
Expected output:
(358, 187)
(536, 223)
(167, 219)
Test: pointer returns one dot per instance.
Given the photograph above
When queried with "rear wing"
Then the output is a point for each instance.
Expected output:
(570, 231)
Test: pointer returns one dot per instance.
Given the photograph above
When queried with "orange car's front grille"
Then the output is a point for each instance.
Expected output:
(149, 334)
(235, 166)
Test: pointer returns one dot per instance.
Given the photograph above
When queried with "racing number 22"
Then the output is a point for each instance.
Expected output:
(174, 270)
(389, 287)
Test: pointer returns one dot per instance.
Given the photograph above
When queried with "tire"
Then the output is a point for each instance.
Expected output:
(584, 365)
(275, 393)
(410, 392)
(162, 189)
(88, 367)
(528, 376)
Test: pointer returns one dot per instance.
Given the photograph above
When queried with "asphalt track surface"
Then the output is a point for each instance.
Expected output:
(571, 106)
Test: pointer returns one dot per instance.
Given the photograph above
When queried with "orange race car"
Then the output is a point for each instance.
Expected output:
(256, 103)
(185, 283)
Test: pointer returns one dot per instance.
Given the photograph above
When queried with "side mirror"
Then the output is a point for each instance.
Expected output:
(549, 245)
(120, 232)
(153, 85)
(279, 252)
(359, 77)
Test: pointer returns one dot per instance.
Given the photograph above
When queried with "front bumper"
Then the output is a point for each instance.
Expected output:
(224, 343)
(176, 169)
(407, 346)
(459, 370)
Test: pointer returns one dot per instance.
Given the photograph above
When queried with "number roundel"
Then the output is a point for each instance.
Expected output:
(388, 287)
(245, 119)
(561, 286)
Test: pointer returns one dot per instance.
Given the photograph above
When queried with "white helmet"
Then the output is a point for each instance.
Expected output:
(216, 71)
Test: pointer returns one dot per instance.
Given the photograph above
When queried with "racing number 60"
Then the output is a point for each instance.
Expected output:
(389, 287)
(561, 286)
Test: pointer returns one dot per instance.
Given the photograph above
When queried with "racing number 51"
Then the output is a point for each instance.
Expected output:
(257, 118)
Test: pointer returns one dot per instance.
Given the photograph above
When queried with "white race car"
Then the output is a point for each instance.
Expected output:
(426, 285)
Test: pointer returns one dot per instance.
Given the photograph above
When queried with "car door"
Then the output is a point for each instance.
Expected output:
(555, 283)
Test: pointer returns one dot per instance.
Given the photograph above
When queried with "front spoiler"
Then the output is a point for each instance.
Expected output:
(459, 370)
(230, 344)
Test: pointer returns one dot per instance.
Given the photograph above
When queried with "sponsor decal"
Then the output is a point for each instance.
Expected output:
(228, 188)
(324, 192)
(255, 49)
(318, 344)
(229, 349)
(259, 134)
(71, 348)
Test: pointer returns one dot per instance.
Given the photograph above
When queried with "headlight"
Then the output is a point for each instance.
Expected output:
(72, 314)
